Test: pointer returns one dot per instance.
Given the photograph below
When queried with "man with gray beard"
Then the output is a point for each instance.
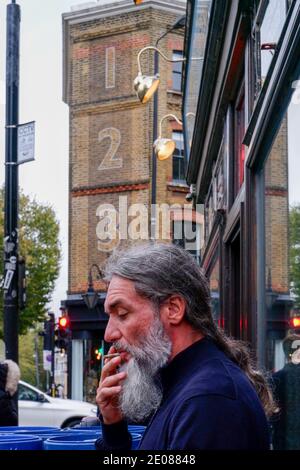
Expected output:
(171, 362)
(141, 393)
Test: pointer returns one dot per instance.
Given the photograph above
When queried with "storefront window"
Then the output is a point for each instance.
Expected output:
(187, 234)
(216, 196)
(200, 22)
(92, 356)
(282, 278)
(214, 283)
(239, 132)
(268, 26)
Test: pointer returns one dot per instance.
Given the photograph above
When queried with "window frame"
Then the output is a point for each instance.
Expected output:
(177, 54)
(180, 156)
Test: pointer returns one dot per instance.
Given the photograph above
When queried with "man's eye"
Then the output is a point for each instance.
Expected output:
(123, 314)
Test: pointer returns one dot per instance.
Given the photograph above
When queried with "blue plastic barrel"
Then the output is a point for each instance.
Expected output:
(31, 429)
(95, 429)
(136, 428)
(135, 431)
(136, 438)
(76, 441)
(20, 442)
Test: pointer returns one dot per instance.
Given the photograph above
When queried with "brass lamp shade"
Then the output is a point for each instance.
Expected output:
(138, 2)
(145, 86)
(164, 148)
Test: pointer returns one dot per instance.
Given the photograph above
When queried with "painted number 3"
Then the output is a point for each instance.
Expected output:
(110, 161)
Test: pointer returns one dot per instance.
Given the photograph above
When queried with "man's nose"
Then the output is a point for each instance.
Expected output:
(111, 332)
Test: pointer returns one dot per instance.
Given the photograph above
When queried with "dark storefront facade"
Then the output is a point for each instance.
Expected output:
(86, 346)
(241, 123)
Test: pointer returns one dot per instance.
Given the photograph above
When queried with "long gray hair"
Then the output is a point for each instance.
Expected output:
(160, 270)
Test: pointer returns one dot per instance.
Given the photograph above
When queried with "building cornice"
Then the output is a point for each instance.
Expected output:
(177, 7)
(117, 8)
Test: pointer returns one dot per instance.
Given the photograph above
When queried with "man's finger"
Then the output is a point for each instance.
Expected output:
(110, 367)
(108, 393)
(113, 380)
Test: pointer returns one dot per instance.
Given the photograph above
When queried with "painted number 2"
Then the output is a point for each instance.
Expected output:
(110, 161)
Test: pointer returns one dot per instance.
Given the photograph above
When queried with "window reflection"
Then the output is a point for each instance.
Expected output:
(270, 19)
(286, 389)
(195, 64)
(187, 235)
(92, 369)
(214, 283)
(282, 271)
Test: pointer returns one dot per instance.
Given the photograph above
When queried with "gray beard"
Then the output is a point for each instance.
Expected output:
(141, 392)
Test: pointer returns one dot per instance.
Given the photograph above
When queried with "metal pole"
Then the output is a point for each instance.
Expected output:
(36, 358)
(11, 184)
(154, 160)
(52, 328)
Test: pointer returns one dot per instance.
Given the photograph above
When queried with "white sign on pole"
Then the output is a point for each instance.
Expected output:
(47, 360)
(26, 142)
(8, 278)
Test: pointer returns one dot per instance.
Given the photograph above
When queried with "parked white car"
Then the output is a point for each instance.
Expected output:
(36, 408)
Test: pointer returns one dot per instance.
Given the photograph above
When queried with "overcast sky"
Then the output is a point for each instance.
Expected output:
(40, 100)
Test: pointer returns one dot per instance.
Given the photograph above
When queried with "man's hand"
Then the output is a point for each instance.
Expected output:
(109, 389)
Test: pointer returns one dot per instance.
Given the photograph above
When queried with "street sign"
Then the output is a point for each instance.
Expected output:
(8, 277)
(26, 142)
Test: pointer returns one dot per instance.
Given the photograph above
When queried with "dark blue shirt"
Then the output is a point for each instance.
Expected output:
(208, 403)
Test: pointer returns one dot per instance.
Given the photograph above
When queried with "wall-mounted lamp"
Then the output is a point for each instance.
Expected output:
(163, 147)
(91, 296)
(138, 2)
(146, 85)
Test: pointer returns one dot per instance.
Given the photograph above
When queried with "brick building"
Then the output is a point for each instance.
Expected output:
(111, 143)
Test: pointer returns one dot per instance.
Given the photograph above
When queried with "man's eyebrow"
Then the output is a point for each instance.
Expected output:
(115, 303)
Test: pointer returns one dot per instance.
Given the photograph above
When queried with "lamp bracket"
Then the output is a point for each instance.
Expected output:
(153, 48)
(175, 118)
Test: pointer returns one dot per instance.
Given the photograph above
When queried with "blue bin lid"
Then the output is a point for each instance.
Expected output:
(20, 442)
(76, 441)
(89, 429)
(31, 429)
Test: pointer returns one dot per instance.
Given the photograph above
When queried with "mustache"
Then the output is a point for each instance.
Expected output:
(137, 351)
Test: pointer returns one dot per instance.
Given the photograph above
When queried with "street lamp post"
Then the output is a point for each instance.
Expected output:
(91, 296)
(91, 300)
(10, 283)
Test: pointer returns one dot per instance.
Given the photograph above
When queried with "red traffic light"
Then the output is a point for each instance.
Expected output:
(63, 322)
(295, 322)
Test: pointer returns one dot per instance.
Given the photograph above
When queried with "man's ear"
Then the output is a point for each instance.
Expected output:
(173, 310)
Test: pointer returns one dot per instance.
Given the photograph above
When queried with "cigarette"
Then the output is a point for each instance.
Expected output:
(110, 356)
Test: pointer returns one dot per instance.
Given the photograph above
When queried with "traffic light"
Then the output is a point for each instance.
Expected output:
(98, 353)
(295, 324)
(62, 333)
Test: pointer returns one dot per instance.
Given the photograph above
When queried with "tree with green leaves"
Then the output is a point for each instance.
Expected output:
(294, 236)
(39, 245)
